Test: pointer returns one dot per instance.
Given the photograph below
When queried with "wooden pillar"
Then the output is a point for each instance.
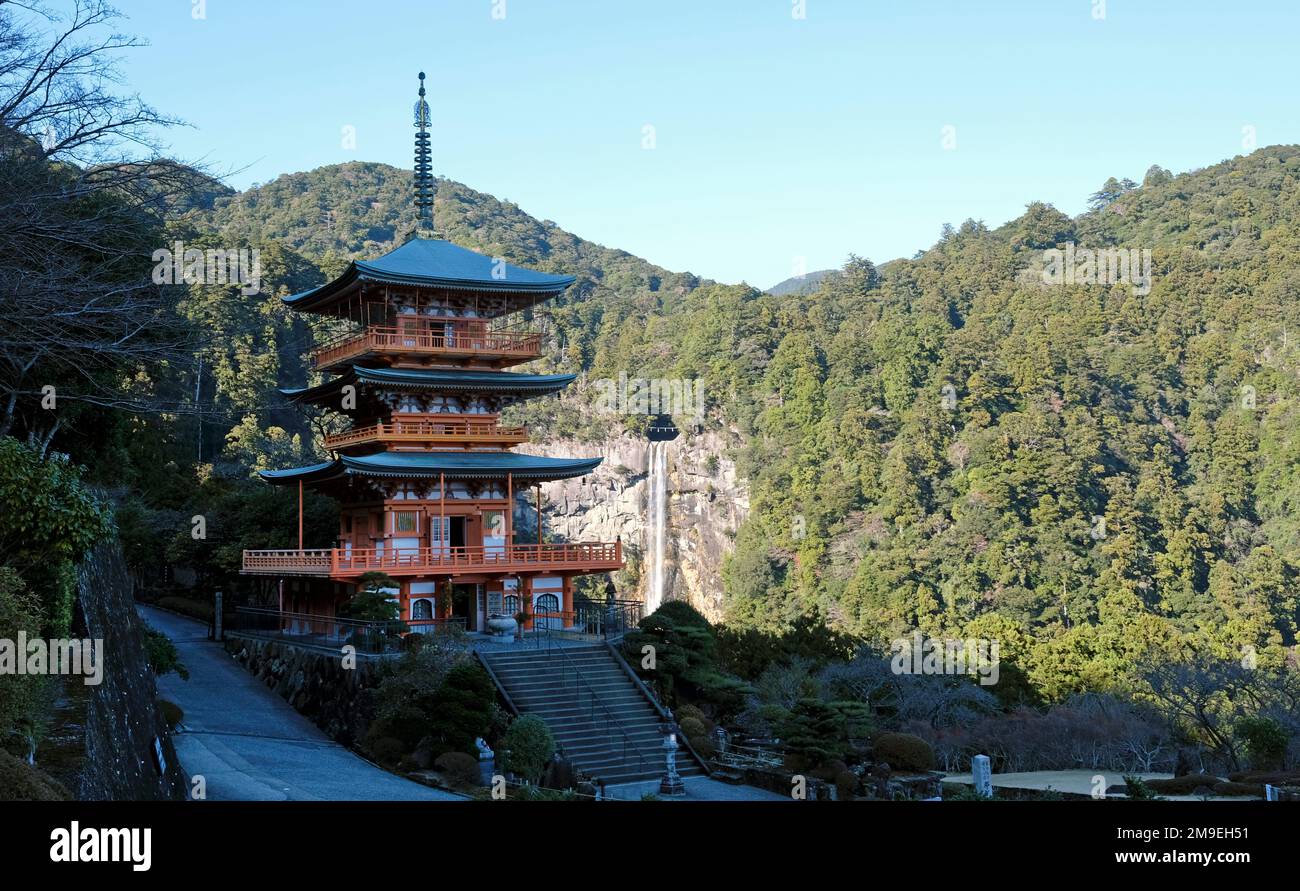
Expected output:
(510, 513)
(539, 519)
(300, 514)
(567, 602)
(443, 538)
(526, 599)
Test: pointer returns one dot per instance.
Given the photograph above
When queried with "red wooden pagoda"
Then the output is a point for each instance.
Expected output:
(425, 475)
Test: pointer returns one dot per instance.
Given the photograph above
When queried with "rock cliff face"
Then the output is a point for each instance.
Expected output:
(706, 504)
(124, 730)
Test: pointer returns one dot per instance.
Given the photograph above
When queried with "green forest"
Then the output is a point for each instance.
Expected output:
(931, 442)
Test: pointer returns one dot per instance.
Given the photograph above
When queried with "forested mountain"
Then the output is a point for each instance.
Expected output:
(800, 284)
(1093, 475)
(1088, 473)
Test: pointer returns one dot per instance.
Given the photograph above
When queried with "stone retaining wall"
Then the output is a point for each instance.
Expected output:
(336, 699)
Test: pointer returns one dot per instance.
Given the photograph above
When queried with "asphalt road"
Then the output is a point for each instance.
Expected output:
(249, 745)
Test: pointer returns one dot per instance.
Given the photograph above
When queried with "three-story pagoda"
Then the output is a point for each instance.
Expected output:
(425, 475)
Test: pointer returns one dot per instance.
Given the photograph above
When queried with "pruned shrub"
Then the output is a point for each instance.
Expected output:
(172, 714)
(528, 747)
(387, 750)
(903, 751)
(459, 768)
(1184, 785)
(697, 732)
(1254, 790)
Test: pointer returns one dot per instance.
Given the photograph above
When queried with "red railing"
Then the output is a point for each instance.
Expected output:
(467, 431)
(582, 556)
(459, 339)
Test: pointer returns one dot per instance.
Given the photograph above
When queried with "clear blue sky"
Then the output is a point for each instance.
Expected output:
(776, 138)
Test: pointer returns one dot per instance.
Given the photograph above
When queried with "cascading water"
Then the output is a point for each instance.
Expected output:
(656, 523)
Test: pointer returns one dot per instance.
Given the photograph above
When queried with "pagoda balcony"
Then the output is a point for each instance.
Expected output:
(465, 343)
(458, 432)
(341, 563)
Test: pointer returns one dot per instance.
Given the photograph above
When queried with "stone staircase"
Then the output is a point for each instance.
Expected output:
(618, 738)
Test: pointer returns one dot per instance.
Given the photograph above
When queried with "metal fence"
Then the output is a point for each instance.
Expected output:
(333, 632)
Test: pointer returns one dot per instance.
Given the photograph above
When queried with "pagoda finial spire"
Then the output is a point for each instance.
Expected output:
(423, 167)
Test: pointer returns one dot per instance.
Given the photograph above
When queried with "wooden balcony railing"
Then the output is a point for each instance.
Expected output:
(463, 432)
(340, 562)
(448, 340)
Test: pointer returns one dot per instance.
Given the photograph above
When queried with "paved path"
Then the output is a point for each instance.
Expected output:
(249, 744)
(698, 789)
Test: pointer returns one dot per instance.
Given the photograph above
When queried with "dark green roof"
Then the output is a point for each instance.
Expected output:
(432, 262)
(436, 380)
(454, 465)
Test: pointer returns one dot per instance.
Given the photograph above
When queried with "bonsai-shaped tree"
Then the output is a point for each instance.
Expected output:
(371, 601)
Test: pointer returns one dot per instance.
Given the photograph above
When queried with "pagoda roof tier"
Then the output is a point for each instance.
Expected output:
(434, 263)
(425, 465)
(434, 380)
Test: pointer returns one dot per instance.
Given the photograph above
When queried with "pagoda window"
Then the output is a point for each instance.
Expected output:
(512, 604)
(439, 534)
(406, 521)
(494, 603)
(421, 609)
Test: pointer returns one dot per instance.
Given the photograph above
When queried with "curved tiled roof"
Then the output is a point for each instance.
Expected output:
(436, 380)
(453, 465)
(432, 262)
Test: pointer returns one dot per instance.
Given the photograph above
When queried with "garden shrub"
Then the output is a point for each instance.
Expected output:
(464, 707)
(1184, 785)
(903, 751)
(386, 750)
(172, 713)
(1255, 790)
(1266, 742)
(697, 732)
(528, 747)
(459, 768)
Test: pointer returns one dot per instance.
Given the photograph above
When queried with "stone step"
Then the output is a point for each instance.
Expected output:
(620, 739)
(608, 698)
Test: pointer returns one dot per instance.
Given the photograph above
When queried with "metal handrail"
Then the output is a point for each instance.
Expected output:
(659, 707)
(371, 637)
(578, 678)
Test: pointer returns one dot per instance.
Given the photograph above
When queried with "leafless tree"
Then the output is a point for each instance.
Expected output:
(1207, 697)
(82, 196)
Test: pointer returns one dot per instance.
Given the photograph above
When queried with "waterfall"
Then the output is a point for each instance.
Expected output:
(656, 523)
